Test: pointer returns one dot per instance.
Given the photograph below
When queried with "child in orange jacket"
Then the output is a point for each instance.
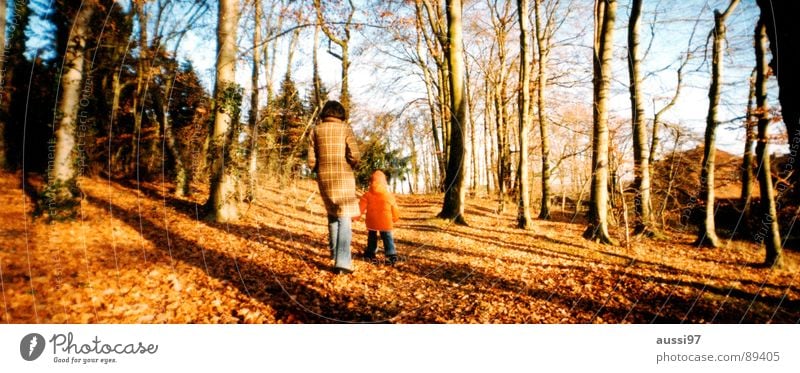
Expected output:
(381, 212)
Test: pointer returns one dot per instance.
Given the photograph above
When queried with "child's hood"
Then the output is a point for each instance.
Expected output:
(378, 183)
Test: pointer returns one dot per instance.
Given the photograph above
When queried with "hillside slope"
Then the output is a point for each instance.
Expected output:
(139, 255)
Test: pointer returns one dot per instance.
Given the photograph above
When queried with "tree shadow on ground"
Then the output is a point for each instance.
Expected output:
(668, 307)
(269, 286)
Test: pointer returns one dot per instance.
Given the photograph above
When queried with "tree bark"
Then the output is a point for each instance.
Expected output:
(768, 232)
(453, 205)
(488, 151)
(62, 178)
(706, 235)
(748, 156)
(781, 20)
(344, 44)
(473, 185)
(500, 25)
(542, 42)
(654, 141)
(445, 115)
(222, 201)
(437, 148)
(641, 160)
(142, 83)
(526, 60)
(3, 92)
(253, 117)
(605, 14)
(318, 100)
(162, 101)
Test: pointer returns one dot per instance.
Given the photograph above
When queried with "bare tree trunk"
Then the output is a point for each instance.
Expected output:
(436, 100)
(142, 83)
(222, 201)
(488, 148)
(542, 42)
(526, 60)
(781, 20)
(445, 115)
(62, 179)
(707, 235)
(116, 89)
(437, 148)
(290, 52)
(269, 58)
(3, 119)
(318, 100)
(182, 174)
(671, 178)
(654, 141)
(641, 160)
(344, 44)
(269, 51)
(748, 156)
(501, 21)
(471, 123)
(605, 14)
(2, 39)
(768, 231)
(501, 136)
(491, 169)
(253, 117)
(453, 205)
(414, 179)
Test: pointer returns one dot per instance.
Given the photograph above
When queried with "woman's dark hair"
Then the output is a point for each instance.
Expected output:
(333, 109)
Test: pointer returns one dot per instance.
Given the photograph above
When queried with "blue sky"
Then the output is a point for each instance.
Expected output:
(675, 20)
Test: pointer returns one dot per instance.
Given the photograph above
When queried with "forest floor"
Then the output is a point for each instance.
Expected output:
(137, 254)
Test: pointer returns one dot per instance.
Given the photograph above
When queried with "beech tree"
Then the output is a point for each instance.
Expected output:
(748, 157)
(343, 41)
(222, 199)
(62, 179)
(524, 198)
(2, 83)
(544, 32)
(641, 167)
(605, 14)
(434, 33)
(253, 116)
(453, 205)
(781, 20)
(768, 232)
(707, 235)
(502, 19)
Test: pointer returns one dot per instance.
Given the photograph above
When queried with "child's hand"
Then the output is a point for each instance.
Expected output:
(355, 218)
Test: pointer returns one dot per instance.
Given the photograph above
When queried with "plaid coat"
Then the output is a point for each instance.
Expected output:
(333, 153)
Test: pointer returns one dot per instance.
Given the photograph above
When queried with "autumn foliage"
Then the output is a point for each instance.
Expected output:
(136, 254)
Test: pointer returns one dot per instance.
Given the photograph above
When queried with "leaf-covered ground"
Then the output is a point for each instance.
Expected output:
(136, 254)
